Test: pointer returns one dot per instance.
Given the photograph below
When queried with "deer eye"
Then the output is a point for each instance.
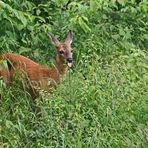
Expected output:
(61, 52)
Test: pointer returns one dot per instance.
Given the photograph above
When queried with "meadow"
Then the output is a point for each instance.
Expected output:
(102, 102)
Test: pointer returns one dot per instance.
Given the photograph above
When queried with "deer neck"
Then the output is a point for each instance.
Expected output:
(59, 69)
(61, 65)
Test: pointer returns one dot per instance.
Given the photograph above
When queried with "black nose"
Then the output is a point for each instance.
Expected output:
(69, 60)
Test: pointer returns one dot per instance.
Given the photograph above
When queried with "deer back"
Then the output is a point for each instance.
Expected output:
(37, 75)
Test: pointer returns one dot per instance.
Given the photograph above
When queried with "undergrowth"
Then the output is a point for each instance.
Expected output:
(103, 106)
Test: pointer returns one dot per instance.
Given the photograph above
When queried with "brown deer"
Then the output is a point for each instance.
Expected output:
(38, 76)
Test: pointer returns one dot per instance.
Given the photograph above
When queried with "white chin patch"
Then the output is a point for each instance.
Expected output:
(69, 64)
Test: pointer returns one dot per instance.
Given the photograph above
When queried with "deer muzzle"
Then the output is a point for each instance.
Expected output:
(69, 62)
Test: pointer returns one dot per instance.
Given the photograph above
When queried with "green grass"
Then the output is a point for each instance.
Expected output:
(106, 108)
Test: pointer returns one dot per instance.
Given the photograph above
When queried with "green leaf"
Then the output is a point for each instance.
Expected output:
(9, 124)
(83, 25)
(24, 50)
(3, 64)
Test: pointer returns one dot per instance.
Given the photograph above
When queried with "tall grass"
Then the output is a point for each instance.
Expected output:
(101, 105)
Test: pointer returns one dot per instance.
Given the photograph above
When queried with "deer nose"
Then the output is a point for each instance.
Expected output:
(69, 60)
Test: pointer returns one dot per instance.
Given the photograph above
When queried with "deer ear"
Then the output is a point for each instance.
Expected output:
(68, 39)
(53, 39)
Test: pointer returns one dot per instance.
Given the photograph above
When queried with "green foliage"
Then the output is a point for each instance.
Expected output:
(102, 101)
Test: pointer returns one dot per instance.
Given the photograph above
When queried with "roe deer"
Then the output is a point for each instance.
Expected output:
(38, 76)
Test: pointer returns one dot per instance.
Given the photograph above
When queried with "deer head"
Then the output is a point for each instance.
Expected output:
(64, 49)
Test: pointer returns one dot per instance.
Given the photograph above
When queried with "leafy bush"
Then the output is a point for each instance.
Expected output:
(102, 101)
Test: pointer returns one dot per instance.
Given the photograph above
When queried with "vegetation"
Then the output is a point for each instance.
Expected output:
(102, 101)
